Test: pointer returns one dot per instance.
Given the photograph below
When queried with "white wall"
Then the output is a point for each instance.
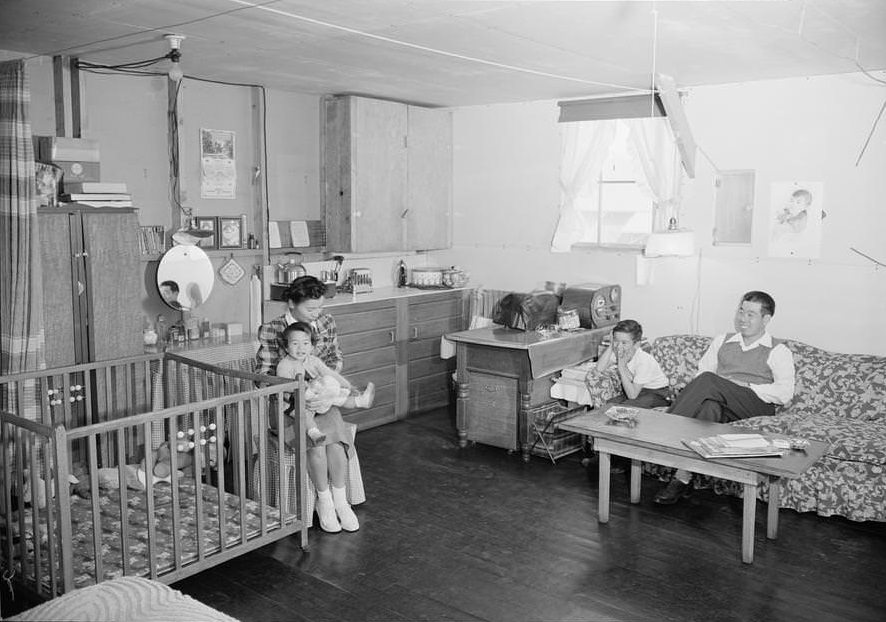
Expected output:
(506, 161)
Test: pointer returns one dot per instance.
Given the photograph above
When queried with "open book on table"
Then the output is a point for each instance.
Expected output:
(736, 446)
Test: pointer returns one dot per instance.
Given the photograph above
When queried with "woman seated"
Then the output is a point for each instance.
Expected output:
(327, 459)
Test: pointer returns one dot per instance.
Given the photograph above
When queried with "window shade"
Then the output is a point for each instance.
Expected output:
(601, 108)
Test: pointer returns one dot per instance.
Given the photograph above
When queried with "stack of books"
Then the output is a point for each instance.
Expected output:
(97, 193)
(737, 446)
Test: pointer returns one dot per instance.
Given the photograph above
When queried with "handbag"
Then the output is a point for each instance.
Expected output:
(527, 311)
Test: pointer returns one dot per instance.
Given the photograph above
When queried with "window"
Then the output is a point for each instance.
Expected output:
(620, 168)
(613, 207)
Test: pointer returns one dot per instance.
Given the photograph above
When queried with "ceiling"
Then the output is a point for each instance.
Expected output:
(458, 52)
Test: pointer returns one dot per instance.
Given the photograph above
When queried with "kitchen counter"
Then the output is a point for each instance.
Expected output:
(273, 308)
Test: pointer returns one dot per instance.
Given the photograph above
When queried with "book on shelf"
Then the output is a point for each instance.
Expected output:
(104, 187)
(95, 196)
(735, 446)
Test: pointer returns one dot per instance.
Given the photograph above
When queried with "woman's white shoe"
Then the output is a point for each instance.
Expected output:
(347, 518)
(326, 512)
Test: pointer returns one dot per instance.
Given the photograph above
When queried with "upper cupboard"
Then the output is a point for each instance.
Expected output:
(388, 175)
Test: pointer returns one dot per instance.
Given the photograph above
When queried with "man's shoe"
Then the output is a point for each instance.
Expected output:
(673, 492)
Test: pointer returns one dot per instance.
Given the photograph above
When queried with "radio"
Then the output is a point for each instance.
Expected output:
(597, 305)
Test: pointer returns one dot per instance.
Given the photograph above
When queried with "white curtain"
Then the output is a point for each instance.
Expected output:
(661, 172)
(585, 146)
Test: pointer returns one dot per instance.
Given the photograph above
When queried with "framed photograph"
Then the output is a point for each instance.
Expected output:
(230, 232)
(207, 223)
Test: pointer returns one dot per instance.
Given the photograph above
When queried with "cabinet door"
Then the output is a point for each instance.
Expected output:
(110, 241)
(365, 170)
(367, 336)
(429, 214)
(60, 289)
(431, 317)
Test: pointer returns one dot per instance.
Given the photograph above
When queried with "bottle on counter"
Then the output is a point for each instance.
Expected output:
(401, 274)
(162, 329)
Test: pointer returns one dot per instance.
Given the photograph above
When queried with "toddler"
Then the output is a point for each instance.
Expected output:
(325, 387)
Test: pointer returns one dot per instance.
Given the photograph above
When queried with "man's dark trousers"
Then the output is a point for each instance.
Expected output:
(710, 397)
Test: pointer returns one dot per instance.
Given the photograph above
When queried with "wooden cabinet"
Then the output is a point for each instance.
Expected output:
(387, 172)
(92, 285)
(429, 318)
(504, 374)
(367, 334)
(395, 343)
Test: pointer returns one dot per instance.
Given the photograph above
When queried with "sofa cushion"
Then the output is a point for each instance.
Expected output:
(678, 356)
(845, 385)
(859, 441)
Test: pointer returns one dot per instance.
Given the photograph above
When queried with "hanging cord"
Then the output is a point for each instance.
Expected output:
(871, 133)
(654, 58)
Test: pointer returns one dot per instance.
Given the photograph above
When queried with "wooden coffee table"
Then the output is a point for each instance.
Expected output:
(657, 437)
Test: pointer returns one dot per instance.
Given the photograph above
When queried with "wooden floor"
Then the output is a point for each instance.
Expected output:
(476, 534)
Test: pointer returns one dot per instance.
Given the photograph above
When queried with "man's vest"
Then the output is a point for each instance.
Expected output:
(738, 365)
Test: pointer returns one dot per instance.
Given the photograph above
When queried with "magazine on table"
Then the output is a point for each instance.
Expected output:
(736, 446)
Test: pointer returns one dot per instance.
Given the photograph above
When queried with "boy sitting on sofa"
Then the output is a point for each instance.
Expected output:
(743, 374)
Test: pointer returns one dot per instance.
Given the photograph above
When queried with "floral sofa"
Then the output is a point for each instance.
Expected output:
(839, 399)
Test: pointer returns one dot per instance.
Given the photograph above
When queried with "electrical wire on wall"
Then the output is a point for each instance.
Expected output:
(137, 68)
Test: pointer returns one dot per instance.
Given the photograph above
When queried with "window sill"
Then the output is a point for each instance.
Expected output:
(585, 247)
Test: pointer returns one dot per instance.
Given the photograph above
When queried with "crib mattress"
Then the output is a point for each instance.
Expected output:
(113, 549)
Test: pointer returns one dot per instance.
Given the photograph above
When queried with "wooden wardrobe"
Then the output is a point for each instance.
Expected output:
(92, 284)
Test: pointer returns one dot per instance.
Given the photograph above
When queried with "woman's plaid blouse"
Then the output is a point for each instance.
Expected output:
(326, 347)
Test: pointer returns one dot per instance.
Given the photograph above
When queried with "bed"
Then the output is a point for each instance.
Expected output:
(133, 599)
(78, 502)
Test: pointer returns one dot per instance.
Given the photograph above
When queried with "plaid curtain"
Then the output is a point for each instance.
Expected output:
(21, 295)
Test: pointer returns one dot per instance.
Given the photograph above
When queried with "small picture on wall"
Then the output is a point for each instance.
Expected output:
(206, 223)
(230, 232)
(795, 221)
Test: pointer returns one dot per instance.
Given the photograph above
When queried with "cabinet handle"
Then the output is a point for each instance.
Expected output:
(393, 338)
(80, 288)
(415, 332)
(84, 254)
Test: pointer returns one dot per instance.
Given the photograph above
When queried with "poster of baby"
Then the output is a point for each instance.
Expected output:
(795, 219)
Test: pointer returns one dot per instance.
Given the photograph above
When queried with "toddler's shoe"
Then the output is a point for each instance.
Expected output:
(365, 399)
(316, 435)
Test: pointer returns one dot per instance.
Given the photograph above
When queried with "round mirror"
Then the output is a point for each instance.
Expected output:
(185, 277)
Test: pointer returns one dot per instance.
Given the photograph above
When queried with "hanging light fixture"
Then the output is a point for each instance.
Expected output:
(175, 43)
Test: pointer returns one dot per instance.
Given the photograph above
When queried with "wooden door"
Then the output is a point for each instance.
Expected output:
(60, 289)
(378, 174)
(115, 285)
(429, 169)
(430, 377)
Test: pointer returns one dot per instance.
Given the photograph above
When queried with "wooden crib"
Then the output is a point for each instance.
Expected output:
(101, 424)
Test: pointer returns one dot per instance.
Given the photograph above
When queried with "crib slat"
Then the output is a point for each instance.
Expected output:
(96, 512)
(35, 509)
(6, 451)
(149, 496)
(282, 473)
(237, 446)
(124, 502)
(177, 549)
(24, 447)
(198, 489)
(265, 467)
(220, 482)
(65, 534)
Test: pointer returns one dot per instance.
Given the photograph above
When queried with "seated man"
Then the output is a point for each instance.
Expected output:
(742, 374)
